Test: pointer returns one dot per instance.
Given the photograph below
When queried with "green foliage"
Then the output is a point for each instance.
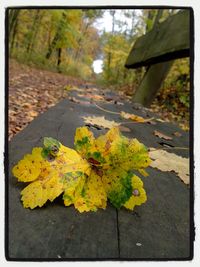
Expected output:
(66, 41)
(61, 40)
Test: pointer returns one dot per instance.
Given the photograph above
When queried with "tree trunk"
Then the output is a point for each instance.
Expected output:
(34, 30)
(112, 13)
(79, 49)
(13, 15)
(13, 27)
(153, 78)
(56, 38)
(59, 56)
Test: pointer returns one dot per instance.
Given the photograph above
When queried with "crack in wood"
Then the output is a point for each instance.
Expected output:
(118, 234)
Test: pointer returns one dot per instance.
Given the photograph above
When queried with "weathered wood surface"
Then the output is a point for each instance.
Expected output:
(54, 231)
(169, 40)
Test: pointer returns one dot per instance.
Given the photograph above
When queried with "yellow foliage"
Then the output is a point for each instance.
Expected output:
(98, 170)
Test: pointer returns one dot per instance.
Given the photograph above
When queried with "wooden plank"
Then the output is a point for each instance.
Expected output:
(169, 40)
(161, 225)
(159, 229)
(55, 231)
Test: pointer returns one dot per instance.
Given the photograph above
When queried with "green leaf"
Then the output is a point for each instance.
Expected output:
(49, 142)
(122, 191)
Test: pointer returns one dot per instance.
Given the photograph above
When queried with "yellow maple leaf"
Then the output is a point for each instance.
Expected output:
(99, 169)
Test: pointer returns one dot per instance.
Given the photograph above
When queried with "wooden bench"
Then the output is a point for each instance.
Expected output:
(157, 49)
(159, 229)
(168, 40)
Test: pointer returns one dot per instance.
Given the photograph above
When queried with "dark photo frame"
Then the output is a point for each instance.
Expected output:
(58, 233)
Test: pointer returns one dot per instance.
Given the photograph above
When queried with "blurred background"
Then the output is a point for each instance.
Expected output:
(58, 49)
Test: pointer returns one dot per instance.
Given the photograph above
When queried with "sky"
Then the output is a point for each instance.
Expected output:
(105, 24)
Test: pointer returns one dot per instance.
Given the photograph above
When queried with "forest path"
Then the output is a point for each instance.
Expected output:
(159, 229)
(32, 91)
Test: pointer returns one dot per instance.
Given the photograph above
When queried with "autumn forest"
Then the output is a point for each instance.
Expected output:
(71, 41)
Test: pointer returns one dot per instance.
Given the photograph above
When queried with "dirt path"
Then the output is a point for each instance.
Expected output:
(33, 91)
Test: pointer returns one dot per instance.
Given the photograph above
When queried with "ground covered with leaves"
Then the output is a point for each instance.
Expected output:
(32, 91)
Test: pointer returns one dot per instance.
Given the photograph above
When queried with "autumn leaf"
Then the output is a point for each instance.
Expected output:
(100, 121)
(166, 161)
(100, 169)
(124, 129)
(162, 135)
(132, 117)
(177, 134)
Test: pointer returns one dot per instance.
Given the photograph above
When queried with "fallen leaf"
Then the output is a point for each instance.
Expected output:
(166, 161)
(33, 113)
(184, 127)
(162, 135)
(100, 169)
(100, 121)
(26, 105)
(160, 120)
(92, 96)
(132, 117)
(77, 101)
(68, 87)
(124, 129)
(177, 134)
(118, 103)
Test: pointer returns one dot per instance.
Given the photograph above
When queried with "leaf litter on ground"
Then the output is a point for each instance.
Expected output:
(162, 135)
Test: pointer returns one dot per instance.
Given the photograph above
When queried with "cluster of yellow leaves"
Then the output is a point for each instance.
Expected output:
(99, 169)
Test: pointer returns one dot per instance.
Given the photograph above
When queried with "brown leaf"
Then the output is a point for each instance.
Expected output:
(177, 134)
(124, 129)
(162, 135)
(100, 121)
(160, 120)
(75, 100)
(166, 161)
(133, 117)
(33, 113)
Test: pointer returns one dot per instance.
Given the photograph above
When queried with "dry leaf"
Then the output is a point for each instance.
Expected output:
(166, 161)
(77, 101)
(160, 120)
(92, 96)
(177, 134)
(33, 113)
(162, 135)
(124, 129)
(100, 121)
(132, 117)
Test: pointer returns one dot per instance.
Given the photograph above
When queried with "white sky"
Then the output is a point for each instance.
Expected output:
(105, 24)
(97, 66)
